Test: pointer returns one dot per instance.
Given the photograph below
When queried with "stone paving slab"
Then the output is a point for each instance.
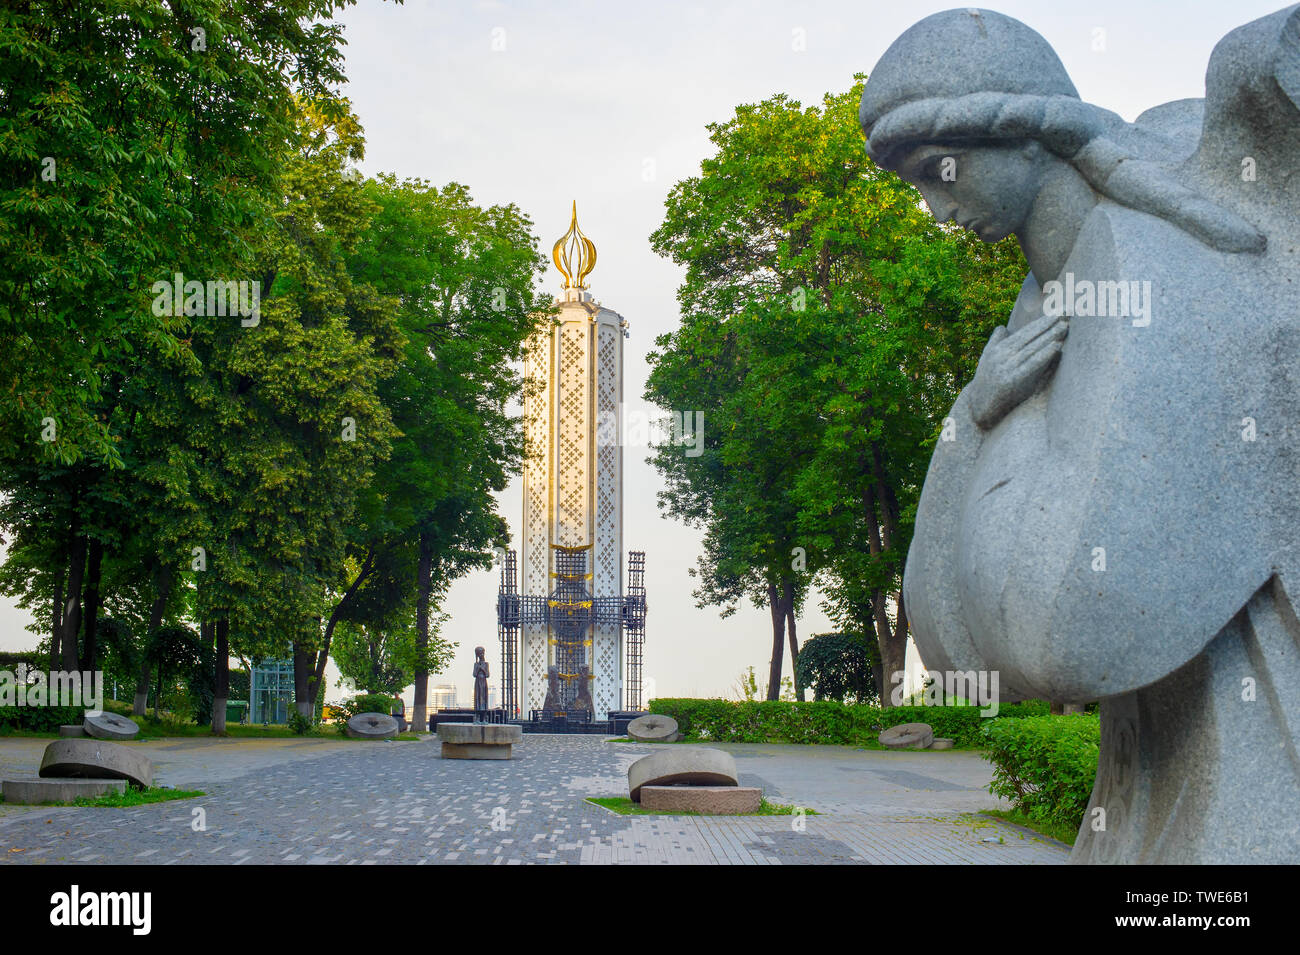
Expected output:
(325, 802)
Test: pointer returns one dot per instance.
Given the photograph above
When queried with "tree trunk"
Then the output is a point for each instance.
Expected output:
(157, 697)
(56, 622)
(777, 606)
(163, 581)
(94, 561)
(304, 667)
(420, 709)
(323, 655)
(221, 677)
(794, 640)
(72, 610)
(893, 655)
(882, 513)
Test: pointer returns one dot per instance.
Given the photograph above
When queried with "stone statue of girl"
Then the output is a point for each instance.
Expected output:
(480, 685)
(1113, 511)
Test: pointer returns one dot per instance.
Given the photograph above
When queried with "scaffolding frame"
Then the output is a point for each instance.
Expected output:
(569, 609)
(571, 619)
(508, 631)
(634, 613)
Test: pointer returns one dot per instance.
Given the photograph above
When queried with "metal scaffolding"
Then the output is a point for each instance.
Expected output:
(569, 613)
(571, 619)
(508, 631)
(634, 611)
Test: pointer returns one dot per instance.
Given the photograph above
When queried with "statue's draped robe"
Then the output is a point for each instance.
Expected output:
(480, 686)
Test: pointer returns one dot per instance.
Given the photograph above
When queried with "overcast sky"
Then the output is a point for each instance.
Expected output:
(541, 103)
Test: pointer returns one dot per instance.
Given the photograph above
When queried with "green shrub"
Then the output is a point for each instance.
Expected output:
(301, 725)
(365, 703)
(39, 719)
(776, 721)
(1045, 765)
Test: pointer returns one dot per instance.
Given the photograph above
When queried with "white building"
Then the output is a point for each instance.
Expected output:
(442, 697)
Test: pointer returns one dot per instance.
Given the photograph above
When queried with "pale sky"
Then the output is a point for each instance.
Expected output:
(541, 103)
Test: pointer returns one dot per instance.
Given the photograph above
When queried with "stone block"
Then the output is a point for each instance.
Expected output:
(477, 751)
(653, 728)
(907, 736)
(110, 726)
(371, 726)
(96, 759)
(693, 765)
(76, 731)
(710, 800)
(941, 743)
(34, 792)
(492, 734)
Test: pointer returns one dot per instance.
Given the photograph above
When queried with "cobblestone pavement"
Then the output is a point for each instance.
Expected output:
(320, 801)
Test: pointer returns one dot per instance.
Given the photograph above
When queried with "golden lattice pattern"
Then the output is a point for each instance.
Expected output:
(607, 454)
(571, 441)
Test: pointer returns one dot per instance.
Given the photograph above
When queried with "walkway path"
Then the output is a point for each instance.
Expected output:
(318, 801)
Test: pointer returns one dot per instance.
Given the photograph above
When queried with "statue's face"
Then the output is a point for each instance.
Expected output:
(987, 188)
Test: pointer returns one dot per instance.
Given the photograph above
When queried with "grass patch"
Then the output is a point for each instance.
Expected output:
(138, 797)
(1052, 830)
(132, 797)
(624, 806)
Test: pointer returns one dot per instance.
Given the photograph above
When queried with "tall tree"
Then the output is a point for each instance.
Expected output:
(465, 281)
(139, 143)
(826, 322)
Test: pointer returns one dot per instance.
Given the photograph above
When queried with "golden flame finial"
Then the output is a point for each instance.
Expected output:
(574, 254)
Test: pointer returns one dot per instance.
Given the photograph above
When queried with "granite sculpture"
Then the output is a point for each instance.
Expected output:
(1113, 509)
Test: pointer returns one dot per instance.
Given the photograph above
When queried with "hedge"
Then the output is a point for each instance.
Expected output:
(1045, 765)
(778, 721)
(39, 719)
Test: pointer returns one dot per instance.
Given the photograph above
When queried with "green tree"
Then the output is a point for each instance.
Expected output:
(138, 142)
(826, 324)
(385, 659)
(464, 280)
(839, 667)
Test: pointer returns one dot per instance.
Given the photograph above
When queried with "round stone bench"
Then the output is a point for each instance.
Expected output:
(653, 729)
(479, 740)
(692, 765)
(96, 759)
(34, 792)
(371, 726)
(907, 736)
(111, 726)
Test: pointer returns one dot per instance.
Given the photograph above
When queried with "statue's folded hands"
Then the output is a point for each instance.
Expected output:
(1013, 366)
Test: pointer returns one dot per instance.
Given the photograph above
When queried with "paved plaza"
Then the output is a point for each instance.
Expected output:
(325, 801)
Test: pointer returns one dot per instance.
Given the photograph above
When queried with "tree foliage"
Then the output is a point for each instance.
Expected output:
(827, 323)
(180, 485)
(839, 667)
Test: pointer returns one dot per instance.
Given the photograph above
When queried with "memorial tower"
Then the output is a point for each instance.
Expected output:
(568, 604)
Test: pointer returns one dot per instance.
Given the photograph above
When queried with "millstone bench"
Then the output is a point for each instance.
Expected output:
(479, 740)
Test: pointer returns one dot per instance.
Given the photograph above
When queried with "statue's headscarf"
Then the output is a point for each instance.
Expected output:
(975, 75)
